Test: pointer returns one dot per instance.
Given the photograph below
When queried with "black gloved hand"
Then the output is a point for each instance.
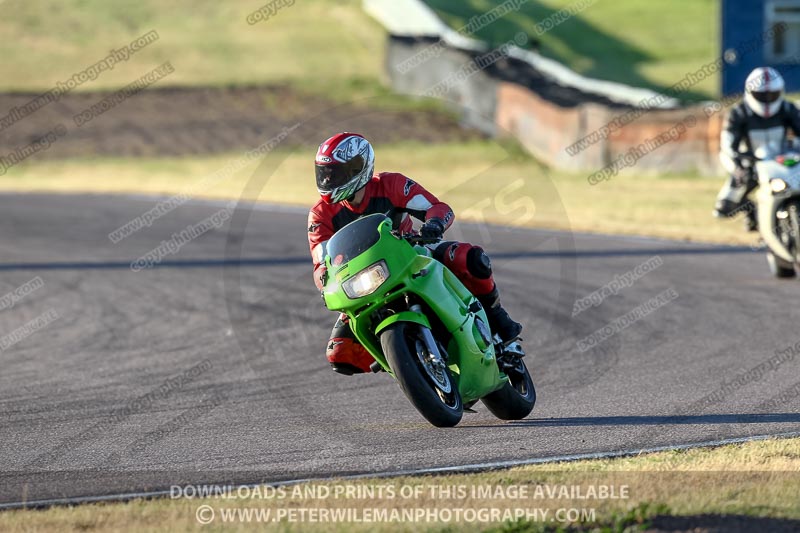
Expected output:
(432, 229)
(744, 172)
(742, 176)
(323, 279)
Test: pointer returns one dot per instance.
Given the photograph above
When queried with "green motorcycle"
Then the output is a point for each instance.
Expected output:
(421, 324)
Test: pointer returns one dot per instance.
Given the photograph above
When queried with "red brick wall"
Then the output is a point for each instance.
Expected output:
(546, 130)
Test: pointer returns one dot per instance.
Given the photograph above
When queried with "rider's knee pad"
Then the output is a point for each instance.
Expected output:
(470, 265)
(347, 356)
(478, 263)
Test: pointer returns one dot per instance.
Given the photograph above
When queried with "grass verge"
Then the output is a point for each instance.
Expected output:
(482, 180)
(208, 43)
(644, 44)
(757, 482)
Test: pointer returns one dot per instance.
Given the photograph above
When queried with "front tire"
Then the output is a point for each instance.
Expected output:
(516, 399)
(779, 268)
(430, 389)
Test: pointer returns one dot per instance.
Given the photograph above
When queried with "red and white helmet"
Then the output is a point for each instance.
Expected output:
(344, 164)
(763, 91)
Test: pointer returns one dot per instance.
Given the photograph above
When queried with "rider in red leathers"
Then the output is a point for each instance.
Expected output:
(349, 189)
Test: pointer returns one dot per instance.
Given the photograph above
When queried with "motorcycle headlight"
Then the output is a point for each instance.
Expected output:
(777, 185)
(367, 281)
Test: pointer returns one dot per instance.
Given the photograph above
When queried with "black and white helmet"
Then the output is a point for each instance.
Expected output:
(763, 91)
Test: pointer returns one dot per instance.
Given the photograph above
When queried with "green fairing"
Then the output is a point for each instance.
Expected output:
(412, 270)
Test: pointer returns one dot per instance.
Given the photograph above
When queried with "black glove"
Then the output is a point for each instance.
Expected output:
(742, 176)
(323, 279)
(432, 229)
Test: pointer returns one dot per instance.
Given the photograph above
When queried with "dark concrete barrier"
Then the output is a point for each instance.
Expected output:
(508, 97)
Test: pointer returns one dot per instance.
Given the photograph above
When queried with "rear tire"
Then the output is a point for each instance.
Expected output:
(516, 399)
(438, 400)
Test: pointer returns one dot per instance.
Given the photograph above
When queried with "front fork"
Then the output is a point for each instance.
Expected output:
(430, 343)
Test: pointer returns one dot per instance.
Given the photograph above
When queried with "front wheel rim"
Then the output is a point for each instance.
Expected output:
(435, 369)
(438, 376)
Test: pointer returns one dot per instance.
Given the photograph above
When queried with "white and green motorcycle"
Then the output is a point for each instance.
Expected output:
(778, 200)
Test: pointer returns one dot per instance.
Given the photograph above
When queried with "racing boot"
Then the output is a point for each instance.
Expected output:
(499, 321)
(724, 208)
(751, 219)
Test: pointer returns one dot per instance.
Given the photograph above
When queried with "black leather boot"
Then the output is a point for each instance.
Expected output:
(751, 217)
(499, 320)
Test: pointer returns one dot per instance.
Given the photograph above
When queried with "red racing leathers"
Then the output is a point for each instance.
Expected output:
(383, 191)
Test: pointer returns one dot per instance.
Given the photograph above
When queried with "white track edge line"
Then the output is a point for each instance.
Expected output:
(469, 468)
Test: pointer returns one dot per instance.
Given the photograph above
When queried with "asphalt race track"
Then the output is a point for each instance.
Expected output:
(210, 366)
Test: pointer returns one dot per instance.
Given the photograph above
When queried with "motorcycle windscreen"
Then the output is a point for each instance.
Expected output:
(354, 239)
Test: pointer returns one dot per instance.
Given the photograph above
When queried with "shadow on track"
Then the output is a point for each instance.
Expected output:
(749, 418)
(303, 260)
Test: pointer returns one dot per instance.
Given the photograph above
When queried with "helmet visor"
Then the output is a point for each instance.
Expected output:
(766, 97)
(330, 177)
